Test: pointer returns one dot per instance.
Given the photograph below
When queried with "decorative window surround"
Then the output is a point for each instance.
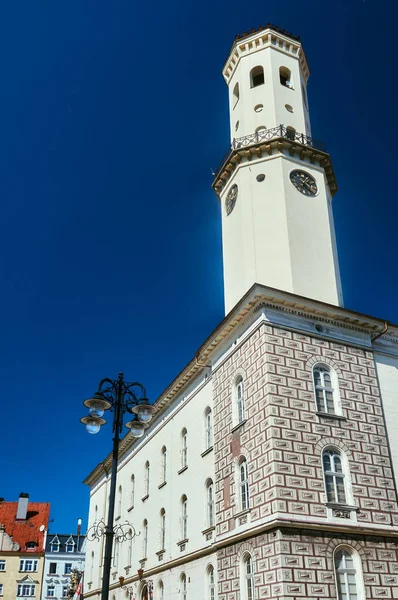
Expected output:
(342, 511)
(242, 517)
(183, 544)
(209, 532)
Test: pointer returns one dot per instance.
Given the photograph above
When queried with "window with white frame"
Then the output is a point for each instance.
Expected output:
(119, 501)
(248, 577)
(52, 568)
(324, 391)
(240, 400)
(54, 547)
(69, 546)
(334, 476)
(211, 588)
(28, 565)
(161, 590)
(26, 589)
(51, 591)
(208, 428)
(65, 591)
(347, 567)
(2, 564)
(145, 538)
(116, 552)
(163, 465)
(184, 448)
(183, 587)
(129, 547)
(1, 589)
(184, 517)
(243, 485)
(132, 490)
(146, 478)
(210, 503)
(162, 529)
(68, 569)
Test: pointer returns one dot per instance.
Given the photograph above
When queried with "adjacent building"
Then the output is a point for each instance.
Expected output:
(268, 469)
(64, 553)
(23, 529)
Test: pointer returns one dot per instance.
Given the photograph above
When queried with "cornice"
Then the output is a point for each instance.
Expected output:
(254, 300)
(279, 145)
(264, 38)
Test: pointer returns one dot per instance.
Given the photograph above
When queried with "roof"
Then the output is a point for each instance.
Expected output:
(268, 26)
(63, 539)
(27, 530)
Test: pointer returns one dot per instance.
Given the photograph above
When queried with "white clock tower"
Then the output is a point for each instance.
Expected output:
(277, 182)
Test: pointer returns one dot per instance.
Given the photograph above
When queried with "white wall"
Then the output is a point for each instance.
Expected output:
(191, 482)
(387, 371)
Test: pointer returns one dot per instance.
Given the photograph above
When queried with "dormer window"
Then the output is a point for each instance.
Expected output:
(69, 547)
(54, 547)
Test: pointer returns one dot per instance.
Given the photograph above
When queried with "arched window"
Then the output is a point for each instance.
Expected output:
(145, 538)
(285, 77)
(208, 428)
(164, 465)
(290, 133)
(348, 574)
(116, 551)
(119, 501)
(248, 577)
(256, 76)
(146, 479)
(184, 517)
(240, 400)
(210, 503)
(235, 95)
(92, 566)
(334, 476)
(243, 485)
(183, 587)
(162, 529)
(132, 491)
(184, 448)
(324, 392)
(129, 547)
(161, 590)
(211, 588)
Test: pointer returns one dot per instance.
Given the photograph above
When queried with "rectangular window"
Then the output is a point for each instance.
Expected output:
(51, 591)
(2, 565)
(65, 591)
(1, 589)
(68, 568)
(69, 547)
(28, 565)
(26, 589)
(53, 568)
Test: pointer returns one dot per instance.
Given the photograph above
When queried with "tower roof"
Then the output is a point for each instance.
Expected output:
(263, 28)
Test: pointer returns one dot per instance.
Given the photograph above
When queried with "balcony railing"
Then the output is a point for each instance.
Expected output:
(264, 135)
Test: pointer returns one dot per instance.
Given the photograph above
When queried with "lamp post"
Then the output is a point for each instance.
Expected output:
(120, 397)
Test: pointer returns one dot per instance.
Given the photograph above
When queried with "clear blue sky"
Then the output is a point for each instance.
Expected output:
(112, 116)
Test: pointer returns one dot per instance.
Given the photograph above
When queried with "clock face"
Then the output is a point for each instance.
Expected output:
(230, 200)
(304, 183)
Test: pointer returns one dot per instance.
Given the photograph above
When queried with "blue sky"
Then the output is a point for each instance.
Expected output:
(112, 117)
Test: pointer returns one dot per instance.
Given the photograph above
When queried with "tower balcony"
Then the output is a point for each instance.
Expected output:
(269, 141)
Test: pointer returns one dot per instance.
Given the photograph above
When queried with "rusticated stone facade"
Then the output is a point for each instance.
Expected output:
(299, 564)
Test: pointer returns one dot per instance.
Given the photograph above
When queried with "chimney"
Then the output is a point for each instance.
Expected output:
(22, 506)
(79, 526)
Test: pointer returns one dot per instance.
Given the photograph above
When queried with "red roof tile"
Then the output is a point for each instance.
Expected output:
(28, 530)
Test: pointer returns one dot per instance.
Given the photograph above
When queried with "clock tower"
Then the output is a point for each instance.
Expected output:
(276, 184)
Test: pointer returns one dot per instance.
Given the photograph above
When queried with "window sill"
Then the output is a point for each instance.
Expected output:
(130, 509)
(330, 416)
(162, 485)
(118, 518)
(342, 506)
(208, 529)
(183, 469)
(207, 451)
(238, 426)
(145, 497)
(182, 543)
(160, 552)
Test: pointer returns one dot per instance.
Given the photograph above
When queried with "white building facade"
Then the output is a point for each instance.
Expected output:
(267, 471)
(64, 554)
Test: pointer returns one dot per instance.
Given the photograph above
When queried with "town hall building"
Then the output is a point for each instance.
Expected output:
(268, 469)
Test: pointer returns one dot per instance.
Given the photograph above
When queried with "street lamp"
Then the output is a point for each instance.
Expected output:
(120, 397)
